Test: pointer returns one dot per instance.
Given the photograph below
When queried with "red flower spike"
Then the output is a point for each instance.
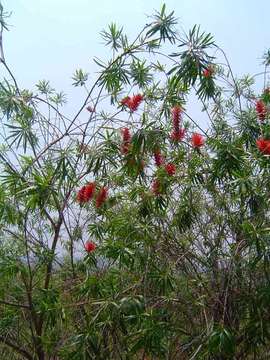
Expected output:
(197, 140)
(156, 187)
(126, 134)
(263, 145)
(176, 115)
(125, 101)
(89, 191)
(90, 246)
(170, 169)
(159, 160)
(125, 148)
(86, 193)
(135, 102)
(80, 195)
(101, 196)
(261, 109)
(126, 140)
(178, 135)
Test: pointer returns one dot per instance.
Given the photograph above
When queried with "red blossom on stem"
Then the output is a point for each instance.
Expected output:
(132, 102)
(89, 191)
(90, 246)
(178, 135)
(176, 115)
(125, 101)
(126, 137)
(159, 160)
(80, 195)
(197, 140)
(101, 196)
(170, 169)
(86, 192)
(261, 109)
(263, 145)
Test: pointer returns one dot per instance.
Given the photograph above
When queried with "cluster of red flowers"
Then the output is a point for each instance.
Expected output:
(126, 137)
(132, 102)
(90, 246)
(87, 192)
(263, 145)
(177, 133)
(261, 109)
(197, 140)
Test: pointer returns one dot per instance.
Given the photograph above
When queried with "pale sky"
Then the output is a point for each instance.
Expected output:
(49, 39)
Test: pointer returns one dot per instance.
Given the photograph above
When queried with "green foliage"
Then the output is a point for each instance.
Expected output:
(121, 239)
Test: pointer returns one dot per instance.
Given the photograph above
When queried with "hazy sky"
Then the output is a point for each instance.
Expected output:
(49, 39)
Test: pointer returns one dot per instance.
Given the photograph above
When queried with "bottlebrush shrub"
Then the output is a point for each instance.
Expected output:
(182, 267)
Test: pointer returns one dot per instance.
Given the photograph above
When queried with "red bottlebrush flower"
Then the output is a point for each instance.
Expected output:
(125, 101)
(90, 109)
(89, 191)
(90, 246)
(126, 134)
(132, 102)
(80, 195)
(86, 193)
(197, 140)
(101, 196)
(159, 160)
(135, 102)
(126, 140)
(176, 115)
(261, 109)
(170, 169)
(156, 187)
(263, 145)
(178, 135)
